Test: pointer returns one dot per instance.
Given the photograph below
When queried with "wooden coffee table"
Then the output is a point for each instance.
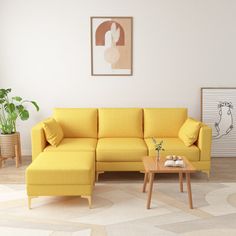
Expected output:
(153, 167)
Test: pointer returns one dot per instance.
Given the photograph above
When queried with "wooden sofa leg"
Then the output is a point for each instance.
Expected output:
(89, 200)
(97, 174)
(207, 172)
(29, 201)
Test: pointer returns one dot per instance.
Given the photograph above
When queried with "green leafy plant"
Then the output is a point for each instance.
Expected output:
(12, 108)
(158, 147)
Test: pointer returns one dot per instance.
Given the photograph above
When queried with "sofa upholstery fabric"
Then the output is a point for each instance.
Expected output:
(120, 149)
(174, 146)
(189, 131)
(52, 168)
(74, 145)
(120, 123)
(163, 122)
(53, 132)
(77, 122)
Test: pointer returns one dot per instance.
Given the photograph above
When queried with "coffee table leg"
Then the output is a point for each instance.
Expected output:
(181, 182)
(145, 181)
(189, 190)
(151, 175)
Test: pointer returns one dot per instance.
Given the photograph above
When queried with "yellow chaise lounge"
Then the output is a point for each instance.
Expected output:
(69, 168)
(115, 139)
(61, 174)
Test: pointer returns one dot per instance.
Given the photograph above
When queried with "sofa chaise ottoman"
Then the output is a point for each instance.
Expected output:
(61, 174)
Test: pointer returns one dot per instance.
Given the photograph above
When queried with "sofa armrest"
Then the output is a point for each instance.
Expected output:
(204, 143)
(38, 140)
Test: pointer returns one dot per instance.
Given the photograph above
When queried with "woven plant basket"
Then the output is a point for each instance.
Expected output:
(7, 144)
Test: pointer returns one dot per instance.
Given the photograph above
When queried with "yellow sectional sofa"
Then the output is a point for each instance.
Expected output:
(116, 138)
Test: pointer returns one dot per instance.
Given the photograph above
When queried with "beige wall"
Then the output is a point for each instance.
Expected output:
(179, 46)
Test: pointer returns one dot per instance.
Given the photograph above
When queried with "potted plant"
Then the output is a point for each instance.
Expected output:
(158, 147)
(11, 109)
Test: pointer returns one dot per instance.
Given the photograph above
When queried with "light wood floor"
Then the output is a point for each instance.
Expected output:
(222, 170)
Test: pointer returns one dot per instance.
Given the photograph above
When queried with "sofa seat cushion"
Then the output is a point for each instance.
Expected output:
(73, 145)
(121, 149)
(61, 168)
(174, 146)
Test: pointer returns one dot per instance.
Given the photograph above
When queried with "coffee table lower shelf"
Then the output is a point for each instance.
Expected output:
(153, 167)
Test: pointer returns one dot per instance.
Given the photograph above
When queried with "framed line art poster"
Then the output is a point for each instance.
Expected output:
(218, 110)
(111, 46)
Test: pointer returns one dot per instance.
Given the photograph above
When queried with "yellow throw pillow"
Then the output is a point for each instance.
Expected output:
(53, 132)
(189, 131)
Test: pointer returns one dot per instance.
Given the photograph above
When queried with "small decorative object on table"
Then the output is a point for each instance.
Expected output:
(174, 161)
(158, 147)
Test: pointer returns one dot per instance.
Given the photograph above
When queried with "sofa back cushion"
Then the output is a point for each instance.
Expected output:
(120, 122)
(163, 122)
(77, 122)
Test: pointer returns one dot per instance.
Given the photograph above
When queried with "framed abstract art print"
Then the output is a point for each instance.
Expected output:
(218, 110)
(111, 46)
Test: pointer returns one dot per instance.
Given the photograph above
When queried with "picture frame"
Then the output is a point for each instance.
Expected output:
(218, 110)
(111, 45)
